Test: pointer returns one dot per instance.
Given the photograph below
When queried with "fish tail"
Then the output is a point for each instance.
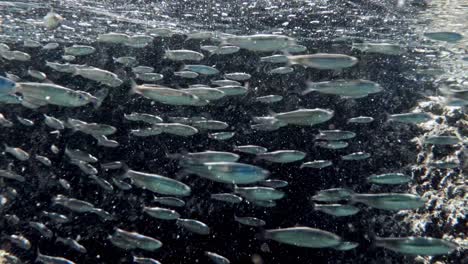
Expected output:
(39, 255)
(134, 87)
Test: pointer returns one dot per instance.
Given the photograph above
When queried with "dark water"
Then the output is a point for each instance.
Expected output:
(388, 144)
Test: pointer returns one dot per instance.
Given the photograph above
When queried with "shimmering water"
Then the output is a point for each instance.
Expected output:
(426, 76)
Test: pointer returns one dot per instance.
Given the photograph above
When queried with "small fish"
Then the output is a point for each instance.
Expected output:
(333, 195)
(105, 185)
(53, 122)
(37, 74)
(345, 88)
(440, 164)
(121, 184)
(203, 35)
(444, 36)
(282, 156)
(4, 122)
(99, 75)
(16, 55)
(221, 135)
(304, 237)
(269, 99)
(84, 166)
(250, 221)
(57, 218)
(161, 213)
(281, 70)
(226, 83)
(210, 124)
(39, 94)
(206, 93)
(275, 59)
(61, 67)
(229, 172)
(411, 118)
(95, 129)
(308, 117)
(51, 46)
(442, 140)
(334, 135)
(251, 149)
(149, 76)
(8, 174)
(389, 178)
(424, 246)
(73, 244)
(324, 61)
(145, 132)
(216, 258)
(201, 69)
(20, 241)
(264, 203)
(25, 121)
(73, 204)
(44, 160)
(344, 246)
(186, 74)
(65, 184)
(232, 90)
(296, 48)
(147, 118)
(238, 76)
(204, 157)
(68, 57)
(158, 184)
(142, 69)
(115, 38)
(337, 209)
(360, 120)
(105, 142)
(42, 229)
(135, 240)
(166, 95)
(194, 226)
(79, 154)
(183, 55)
(332, 144)
(257, 193)
(316, 164)
(18, 153)
(79, 50)
(381, 48)
(226, 50)
(390, 201)
(272, 183)
(138, 41)
(52, 20)
(28, 43)
(170, 201)
(226, 197)
(126, 61)
(177, 129)
(260, 42)
(356, 156)
(139, 260)
(113, 165)
(51, 260)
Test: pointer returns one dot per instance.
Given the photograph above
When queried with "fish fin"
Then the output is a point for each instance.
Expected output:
(100, 96)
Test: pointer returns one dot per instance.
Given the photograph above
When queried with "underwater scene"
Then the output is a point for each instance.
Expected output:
(210, 131)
